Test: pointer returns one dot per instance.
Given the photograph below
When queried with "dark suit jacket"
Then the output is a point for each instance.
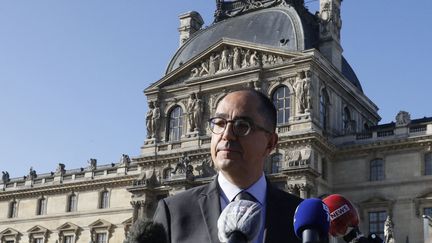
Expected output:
(191, 216)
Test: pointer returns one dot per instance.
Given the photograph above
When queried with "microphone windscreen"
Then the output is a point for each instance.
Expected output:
(146, 231)
(311, 214)
(342, 214)
(242, 216)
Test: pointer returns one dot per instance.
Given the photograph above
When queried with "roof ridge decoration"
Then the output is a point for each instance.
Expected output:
(227, 9)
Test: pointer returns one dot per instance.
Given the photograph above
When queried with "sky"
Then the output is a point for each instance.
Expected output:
(72, 73)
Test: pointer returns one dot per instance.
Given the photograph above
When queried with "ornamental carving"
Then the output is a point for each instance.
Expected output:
(195, 110)
(403, 118)
(206, 169)
(226, 9)
(302, 88)
(299, 157)
(232, 59)
(330, 16)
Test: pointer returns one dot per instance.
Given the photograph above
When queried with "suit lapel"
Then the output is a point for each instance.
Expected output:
(271, 212)
(210, 208)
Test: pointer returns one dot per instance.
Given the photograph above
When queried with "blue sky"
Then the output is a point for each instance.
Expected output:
(72, 72)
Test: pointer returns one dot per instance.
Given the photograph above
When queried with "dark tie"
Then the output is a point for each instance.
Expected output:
(244, 195)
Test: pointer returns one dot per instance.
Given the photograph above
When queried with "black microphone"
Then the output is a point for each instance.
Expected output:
(312, 221)
(239, 222)
(146, 231)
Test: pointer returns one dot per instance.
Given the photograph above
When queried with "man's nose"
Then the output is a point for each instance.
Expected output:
(228, 134)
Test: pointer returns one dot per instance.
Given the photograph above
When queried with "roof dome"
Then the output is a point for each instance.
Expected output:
(279, 27)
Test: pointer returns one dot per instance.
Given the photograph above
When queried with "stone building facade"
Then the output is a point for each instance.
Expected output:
(329, 137)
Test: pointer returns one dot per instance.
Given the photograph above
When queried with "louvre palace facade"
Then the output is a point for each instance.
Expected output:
(330, 139)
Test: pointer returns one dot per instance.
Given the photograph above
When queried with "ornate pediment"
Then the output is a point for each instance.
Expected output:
(68, 227)
(9, 232)
(100, 223)
(225, 57)
(37, 230)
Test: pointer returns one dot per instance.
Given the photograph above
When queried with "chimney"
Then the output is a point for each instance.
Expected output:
(330, 27)
(190, 23)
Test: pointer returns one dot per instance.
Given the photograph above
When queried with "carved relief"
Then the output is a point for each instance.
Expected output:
(226, 9)
(298, 157)
(231, 59)
(206, 169)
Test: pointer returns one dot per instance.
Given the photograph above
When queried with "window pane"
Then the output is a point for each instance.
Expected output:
(68, 239)
(376, 222)
(427, 211)
(101, 238)
(281, 100)
(104, 200)
(176, 124)
(377, 170)
(42, 206)
(72, 203)
(428, 164)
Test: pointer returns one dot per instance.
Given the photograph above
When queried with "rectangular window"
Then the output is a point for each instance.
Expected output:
(377, 170)
(38, 240)
(101, 238)
(72, 203)
(10, 241)
(104, 199)
(42, 206)
(428, 164)
(68, 239)
(376, 222)
(13, 210)
(427, 211)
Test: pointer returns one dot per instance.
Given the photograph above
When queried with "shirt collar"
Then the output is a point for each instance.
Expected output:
(258, 189)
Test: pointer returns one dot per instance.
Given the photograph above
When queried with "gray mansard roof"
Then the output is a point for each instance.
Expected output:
(282, 27)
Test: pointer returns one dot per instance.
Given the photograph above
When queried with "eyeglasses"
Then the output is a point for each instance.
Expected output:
(241, 127)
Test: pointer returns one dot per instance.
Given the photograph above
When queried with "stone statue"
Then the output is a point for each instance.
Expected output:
(246, 59)
(156, 116)
(254, 59)
(403, 118)
(236, 58)
(213, 63)
(149, 120)
(182, 165)
(92, 164)
(206, 169)
(32, 174)
(204, 69)
(388, 231)
(224, 60)
(60, 169)
(302, 86)
(195, 110)
(5, 177)
(125, 160)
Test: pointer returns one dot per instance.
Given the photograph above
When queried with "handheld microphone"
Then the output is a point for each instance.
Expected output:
(311, 221)
(239, 222)
(343, 215)
(144, 231)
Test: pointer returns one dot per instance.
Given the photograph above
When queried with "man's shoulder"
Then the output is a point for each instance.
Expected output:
(187, 195)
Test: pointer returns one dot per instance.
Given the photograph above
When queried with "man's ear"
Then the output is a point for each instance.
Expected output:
(272, 142)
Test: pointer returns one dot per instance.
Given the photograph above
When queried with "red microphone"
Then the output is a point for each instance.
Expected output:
(343, 216)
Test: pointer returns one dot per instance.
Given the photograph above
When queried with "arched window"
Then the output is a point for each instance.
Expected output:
(175, 124)
(323, 108)
(377, 170)
(281, 100)
(276, 162)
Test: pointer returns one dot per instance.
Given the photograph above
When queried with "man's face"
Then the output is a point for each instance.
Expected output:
(241, 159)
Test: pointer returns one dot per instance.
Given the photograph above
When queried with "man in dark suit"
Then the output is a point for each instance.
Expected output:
(242, 137)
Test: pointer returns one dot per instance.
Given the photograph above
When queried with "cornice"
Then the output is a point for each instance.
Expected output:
(386, 145)
(64, 188)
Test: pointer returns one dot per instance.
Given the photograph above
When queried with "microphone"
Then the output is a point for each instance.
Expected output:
(146, 231)
(239, 222)
(344, 217)
(311, 221)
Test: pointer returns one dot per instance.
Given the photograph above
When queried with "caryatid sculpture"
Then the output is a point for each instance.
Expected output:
(152, 119)
(195, 110)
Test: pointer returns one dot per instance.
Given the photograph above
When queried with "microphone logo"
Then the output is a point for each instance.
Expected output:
(327, 210)
(339, 212)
